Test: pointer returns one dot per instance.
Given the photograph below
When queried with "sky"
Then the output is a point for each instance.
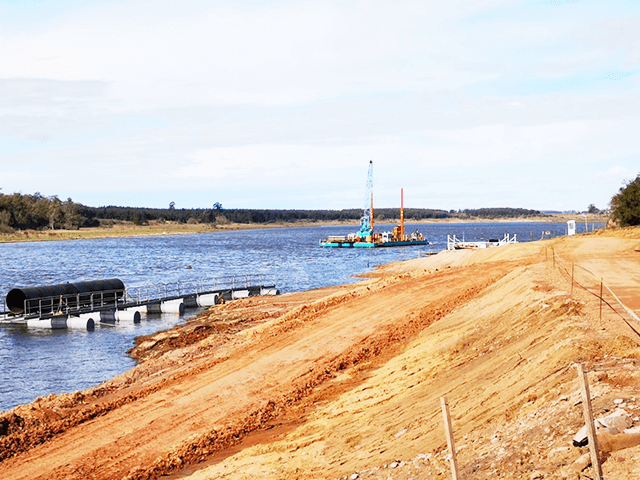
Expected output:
(282, 104)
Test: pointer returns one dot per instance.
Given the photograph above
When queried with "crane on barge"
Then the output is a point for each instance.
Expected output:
(366, 236)
(366, 222)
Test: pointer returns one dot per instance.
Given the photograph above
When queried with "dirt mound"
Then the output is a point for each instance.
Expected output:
(346, 381)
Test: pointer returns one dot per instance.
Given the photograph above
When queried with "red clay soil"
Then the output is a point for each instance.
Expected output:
(347, 381)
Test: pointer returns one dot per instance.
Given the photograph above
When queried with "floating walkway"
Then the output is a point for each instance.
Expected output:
(83, 305)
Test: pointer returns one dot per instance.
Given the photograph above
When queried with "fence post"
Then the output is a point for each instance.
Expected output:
(449, 432)
(588, 418)
(573, 265)
(601, 281)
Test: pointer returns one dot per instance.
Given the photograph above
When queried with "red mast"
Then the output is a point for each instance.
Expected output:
(371, 212)
(402, 213)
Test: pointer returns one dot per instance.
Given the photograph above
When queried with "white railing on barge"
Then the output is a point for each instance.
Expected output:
(454, 243)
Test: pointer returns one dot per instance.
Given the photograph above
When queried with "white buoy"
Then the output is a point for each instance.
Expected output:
(207, 300)
(52, 323)
(269, 291)
(172, 306)
(84, 321)
(130, 315)
(239, 294)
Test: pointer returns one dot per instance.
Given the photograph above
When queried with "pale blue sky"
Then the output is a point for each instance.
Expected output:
(281, 104)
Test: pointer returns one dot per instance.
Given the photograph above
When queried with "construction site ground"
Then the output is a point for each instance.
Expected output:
(346, 382)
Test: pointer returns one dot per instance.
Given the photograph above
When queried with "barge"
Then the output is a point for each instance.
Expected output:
(366, 237)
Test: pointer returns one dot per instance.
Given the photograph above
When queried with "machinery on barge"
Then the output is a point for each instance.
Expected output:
(367, 237)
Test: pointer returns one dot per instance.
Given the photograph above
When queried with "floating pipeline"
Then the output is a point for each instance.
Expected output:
(46, 299)
(81, 306)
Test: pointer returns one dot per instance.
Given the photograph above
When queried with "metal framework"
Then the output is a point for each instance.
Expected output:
(366, 222)
(75, 303)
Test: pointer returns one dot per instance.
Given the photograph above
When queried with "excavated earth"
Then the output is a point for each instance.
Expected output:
(346, 382)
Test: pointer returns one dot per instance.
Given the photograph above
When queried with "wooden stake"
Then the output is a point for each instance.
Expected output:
(588, 418)
(449, 432)
(572, 270)
(601, 282)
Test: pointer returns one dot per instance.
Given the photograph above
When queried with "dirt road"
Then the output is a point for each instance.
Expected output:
(327, 383)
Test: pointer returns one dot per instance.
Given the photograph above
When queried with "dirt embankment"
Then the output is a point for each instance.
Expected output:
(346, 381)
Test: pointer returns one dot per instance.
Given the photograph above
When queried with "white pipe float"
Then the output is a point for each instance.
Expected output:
(84, 322)
(172, 306)
(52, 323)
(122, 316)
(129, 315)
(207, 300)
(269, 291)
(235, 294)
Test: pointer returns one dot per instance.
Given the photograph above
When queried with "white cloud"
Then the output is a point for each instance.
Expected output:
(283, 103)
(226, 53)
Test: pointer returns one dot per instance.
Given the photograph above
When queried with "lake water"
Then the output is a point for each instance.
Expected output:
(35, 363)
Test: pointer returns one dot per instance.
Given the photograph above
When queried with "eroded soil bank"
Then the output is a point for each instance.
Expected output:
(347, 380)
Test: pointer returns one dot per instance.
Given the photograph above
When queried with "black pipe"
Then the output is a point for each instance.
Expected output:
(47, 298)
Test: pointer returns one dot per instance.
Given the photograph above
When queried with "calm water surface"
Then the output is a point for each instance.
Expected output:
(34, 363)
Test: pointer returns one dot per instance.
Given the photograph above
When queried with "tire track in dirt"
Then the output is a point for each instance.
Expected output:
(19, 433)
(377, 348)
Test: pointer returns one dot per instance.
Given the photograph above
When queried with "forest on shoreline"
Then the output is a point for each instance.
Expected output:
(37, 212)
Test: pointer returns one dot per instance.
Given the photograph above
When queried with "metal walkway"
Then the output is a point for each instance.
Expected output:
(109, 305)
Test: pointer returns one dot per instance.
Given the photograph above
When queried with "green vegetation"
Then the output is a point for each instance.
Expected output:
(20, 212)
(36, 212)
(500, 212)
(218, 215)
(625, 205)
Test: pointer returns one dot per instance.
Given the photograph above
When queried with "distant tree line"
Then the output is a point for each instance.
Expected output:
(500, 212)
(237, 215)
(21, 212)
(37, 212)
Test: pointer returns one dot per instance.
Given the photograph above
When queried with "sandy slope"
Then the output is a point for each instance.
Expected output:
(327, 383)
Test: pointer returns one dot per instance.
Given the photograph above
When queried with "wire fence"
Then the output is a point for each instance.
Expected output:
(584, 279)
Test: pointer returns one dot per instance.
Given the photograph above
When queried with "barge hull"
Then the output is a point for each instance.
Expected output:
(406, 243)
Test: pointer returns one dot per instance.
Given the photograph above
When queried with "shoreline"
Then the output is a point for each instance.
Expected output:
(124, 230)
